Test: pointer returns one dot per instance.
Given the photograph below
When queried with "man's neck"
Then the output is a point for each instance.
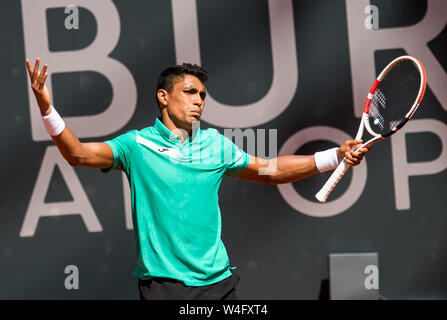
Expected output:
(183, 134)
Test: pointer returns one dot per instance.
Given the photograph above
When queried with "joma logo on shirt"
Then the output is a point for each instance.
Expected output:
(162, 149)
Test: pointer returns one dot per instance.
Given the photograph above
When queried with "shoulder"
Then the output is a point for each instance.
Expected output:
(213, 136)
(148, 131)
(210, 132)
(129, 137)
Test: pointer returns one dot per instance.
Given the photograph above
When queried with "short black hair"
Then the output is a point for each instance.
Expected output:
(168, 77)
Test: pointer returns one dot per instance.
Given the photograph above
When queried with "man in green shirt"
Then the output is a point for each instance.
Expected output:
(174, 170)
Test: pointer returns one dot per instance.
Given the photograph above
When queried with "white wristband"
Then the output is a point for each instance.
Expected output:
(53, 123)
(326, 160)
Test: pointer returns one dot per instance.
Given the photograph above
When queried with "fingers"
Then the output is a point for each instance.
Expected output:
(42, 82)
(354, 158)
(42, 73)
(30, 70)
(42, 77)
(36, 70)
(353, 142)
(37, 78)
(350, 144)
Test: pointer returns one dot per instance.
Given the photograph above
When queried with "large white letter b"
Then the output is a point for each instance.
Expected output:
(93, 58)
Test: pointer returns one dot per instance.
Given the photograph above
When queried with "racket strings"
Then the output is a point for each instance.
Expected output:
(394, 97)
(378, 103)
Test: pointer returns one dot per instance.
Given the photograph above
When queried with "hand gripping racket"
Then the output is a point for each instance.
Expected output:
(391, 102)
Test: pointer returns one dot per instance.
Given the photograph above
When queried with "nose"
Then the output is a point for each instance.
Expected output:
(198, 101)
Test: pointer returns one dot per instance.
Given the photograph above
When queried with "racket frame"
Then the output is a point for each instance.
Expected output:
(343, 167)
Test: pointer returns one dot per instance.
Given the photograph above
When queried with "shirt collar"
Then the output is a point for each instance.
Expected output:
(165, 132)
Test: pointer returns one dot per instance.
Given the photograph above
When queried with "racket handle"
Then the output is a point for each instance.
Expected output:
(332, 181)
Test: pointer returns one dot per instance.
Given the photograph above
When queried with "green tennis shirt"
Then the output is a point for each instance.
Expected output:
(175, 208)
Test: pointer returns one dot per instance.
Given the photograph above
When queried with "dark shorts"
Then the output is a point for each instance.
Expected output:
(170, 289)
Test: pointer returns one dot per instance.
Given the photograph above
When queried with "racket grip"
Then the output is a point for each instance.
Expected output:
(332, 181)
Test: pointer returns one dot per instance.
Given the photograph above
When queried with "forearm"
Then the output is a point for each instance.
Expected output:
(66, 141)
(291, 168)
(69, 146)
(87, 154)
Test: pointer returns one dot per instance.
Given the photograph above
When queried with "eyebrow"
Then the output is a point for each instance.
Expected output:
(194, 88)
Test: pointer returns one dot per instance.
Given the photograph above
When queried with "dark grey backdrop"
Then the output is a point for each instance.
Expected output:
(280, 253)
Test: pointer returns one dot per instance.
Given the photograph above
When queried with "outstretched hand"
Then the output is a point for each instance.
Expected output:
(349, 152)
(40, 90)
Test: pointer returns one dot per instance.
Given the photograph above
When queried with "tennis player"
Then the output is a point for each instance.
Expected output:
(175, 170)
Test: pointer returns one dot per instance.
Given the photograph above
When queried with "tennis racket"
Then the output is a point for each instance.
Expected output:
(391, 102)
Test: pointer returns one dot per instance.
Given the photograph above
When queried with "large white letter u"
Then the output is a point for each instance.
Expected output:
(285, 65)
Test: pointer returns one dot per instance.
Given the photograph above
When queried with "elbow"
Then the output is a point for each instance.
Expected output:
(272, 180)
(275, 176)
(275, 182)
(73, 161)
(270, 176)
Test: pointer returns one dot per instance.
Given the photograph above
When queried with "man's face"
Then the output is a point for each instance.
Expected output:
(186, 101)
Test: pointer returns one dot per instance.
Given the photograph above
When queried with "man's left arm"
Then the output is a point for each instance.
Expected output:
(291, 168)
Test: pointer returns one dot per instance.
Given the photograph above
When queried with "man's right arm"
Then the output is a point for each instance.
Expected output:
(92, 154)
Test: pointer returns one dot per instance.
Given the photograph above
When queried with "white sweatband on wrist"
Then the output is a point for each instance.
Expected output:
(53, 123)
(326, 160)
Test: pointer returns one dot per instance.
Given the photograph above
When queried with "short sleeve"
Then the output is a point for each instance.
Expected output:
(236, 160)
(121, 147)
